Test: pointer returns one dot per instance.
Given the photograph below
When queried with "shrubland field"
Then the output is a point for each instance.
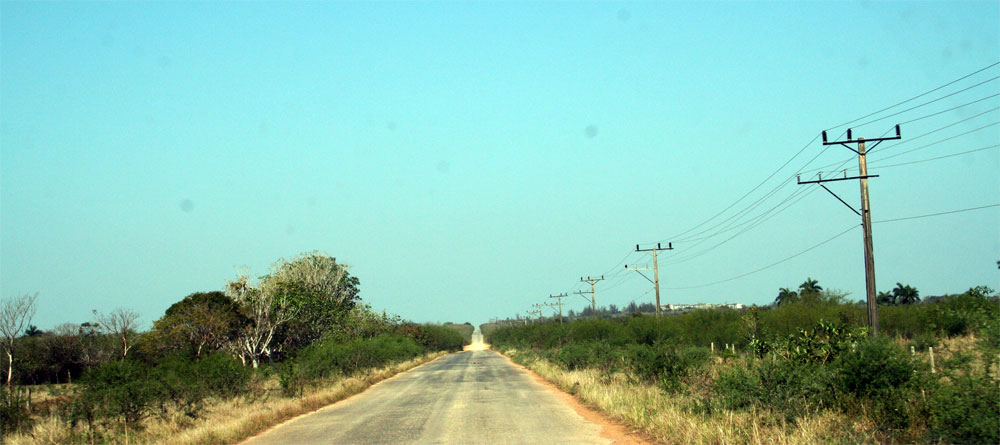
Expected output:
(801, 372)
(217, 367)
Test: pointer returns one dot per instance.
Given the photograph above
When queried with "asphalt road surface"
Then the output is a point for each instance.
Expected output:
(472, 397)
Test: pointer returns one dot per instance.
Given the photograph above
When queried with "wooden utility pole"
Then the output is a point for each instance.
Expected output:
(538, 309)
(656, 270)
(559, 302)
(593, 299)
(865, 214)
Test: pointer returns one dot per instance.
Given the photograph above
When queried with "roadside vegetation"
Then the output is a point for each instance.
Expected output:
(465, 330)
(217, 367)
(803, 370)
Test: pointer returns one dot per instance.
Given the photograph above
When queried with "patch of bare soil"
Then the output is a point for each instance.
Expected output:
(611, 429)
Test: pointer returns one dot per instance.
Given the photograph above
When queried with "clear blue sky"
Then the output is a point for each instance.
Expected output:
(469, 159)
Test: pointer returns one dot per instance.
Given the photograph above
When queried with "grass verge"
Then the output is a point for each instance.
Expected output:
(671, 418)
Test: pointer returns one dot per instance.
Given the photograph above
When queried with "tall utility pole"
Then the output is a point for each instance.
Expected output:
(656, 270)
(865, 214)
(559, 302)
(593, 299)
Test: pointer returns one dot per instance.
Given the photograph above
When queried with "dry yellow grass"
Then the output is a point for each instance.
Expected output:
(663, 417)
(224, 421)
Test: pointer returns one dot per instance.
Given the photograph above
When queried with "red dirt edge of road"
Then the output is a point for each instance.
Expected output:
(611, 429)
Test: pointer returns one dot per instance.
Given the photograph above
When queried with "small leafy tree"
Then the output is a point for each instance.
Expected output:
(202, 319)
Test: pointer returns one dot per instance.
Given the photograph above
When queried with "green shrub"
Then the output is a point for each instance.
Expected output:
(120, 389)
(873, 369)
(465, 330)
(328, 358)
(966, 410)
(739, 388)
(877, 375)
(575, 356)
(439, 338)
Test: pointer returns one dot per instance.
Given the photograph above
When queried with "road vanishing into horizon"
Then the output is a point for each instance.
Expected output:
(472, 397)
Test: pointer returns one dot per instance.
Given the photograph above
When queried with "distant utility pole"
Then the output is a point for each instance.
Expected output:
(593, 299)
(656, 270)
(559, 302)
(865, 214)
(538, 309)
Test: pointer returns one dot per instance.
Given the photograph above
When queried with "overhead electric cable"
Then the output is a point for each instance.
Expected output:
(937, 214)
(938, 142)
(928, 103)
(917, 96)
(769, 265)
(936, 158)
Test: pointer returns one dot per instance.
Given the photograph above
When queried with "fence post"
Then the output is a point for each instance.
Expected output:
(931, 349)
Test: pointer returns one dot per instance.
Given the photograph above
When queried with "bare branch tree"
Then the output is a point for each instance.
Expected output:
(15, 315)
(266, 312)
(121, 323)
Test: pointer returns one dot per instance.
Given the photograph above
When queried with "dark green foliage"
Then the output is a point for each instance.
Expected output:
(201, 322)
(328, 358)
(967, 410)
(964, 313)
(873, 368)
(439, 338)
(120, 389)
(575, 356)
(186, 383)
(465, 330)
(877, 374)
(791, 387)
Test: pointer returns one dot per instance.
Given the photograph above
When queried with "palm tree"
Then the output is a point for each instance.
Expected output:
(785, 296)
(885, 298)
(810, 286)
(906, 294)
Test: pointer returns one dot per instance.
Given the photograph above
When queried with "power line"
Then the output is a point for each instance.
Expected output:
(938, 157)
(824, 167)
(769, 265)
(938, 142)
(950, 109)
(928, 103)
(938, 214)
(943, 128)
(918, 96)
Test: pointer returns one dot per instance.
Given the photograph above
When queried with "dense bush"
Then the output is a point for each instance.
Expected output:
(330, 358)
(464, 329)
(120, 389)
(439, 338)
(967, 410)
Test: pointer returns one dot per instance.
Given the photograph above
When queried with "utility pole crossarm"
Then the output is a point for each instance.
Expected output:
(638, 271)
(559, 302)
(851, 140)
(593, 293)
(865, 213)
(656, 270)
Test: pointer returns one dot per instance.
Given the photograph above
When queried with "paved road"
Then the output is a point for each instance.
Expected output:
(471, 397)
